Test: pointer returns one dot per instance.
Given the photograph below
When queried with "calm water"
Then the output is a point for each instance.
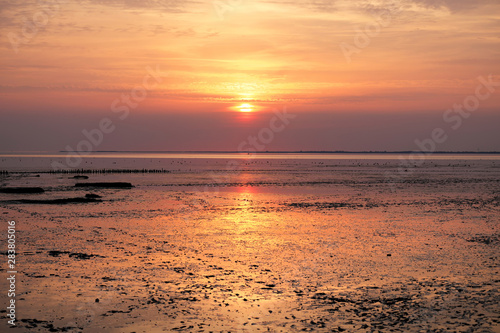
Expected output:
(304, 156)
(50, 161)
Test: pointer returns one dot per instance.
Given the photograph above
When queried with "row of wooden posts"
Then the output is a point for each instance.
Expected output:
(94, 171)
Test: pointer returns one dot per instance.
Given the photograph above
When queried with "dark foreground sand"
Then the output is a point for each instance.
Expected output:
(280, 247)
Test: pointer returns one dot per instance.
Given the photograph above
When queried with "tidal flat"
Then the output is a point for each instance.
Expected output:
(278, 245)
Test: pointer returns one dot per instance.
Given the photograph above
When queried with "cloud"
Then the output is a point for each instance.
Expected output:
(175, 6)
(323, 5)
(454, 5)
(378, 6)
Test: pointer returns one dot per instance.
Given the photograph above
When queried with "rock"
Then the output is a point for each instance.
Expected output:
(24, 190)
(105, 185)
(84, 256)
(53, 201)
(56, 253)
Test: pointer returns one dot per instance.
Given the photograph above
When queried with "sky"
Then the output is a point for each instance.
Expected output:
(168, 75)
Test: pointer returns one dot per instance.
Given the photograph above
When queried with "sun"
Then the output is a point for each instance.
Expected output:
(246, 107)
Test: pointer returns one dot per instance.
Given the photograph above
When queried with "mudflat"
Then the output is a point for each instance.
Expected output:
(276, 245)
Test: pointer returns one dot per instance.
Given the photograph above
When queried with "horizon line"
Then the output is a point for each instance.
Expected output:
(294, 152)
(263, 152)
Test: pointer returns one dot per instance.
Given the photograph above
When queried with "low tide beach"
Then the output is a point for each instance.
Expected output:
(274, 243)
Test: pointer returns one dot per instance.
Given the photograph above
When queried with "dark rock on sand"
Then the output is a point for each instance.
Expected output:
(80, 177)
(76, 255)
(324, 205)
(105, 185)
(53, 201)
(56, 253)
(84, 256)
(34, 323)
(485, 239)
(92, 196)
(23, 190)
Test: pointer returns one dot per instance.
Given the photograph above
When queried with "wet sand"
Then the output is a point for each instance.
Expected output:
(280, 246)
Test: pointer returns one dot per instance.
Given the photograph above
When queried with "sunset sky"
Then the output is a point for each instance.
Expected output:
(357, 74)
